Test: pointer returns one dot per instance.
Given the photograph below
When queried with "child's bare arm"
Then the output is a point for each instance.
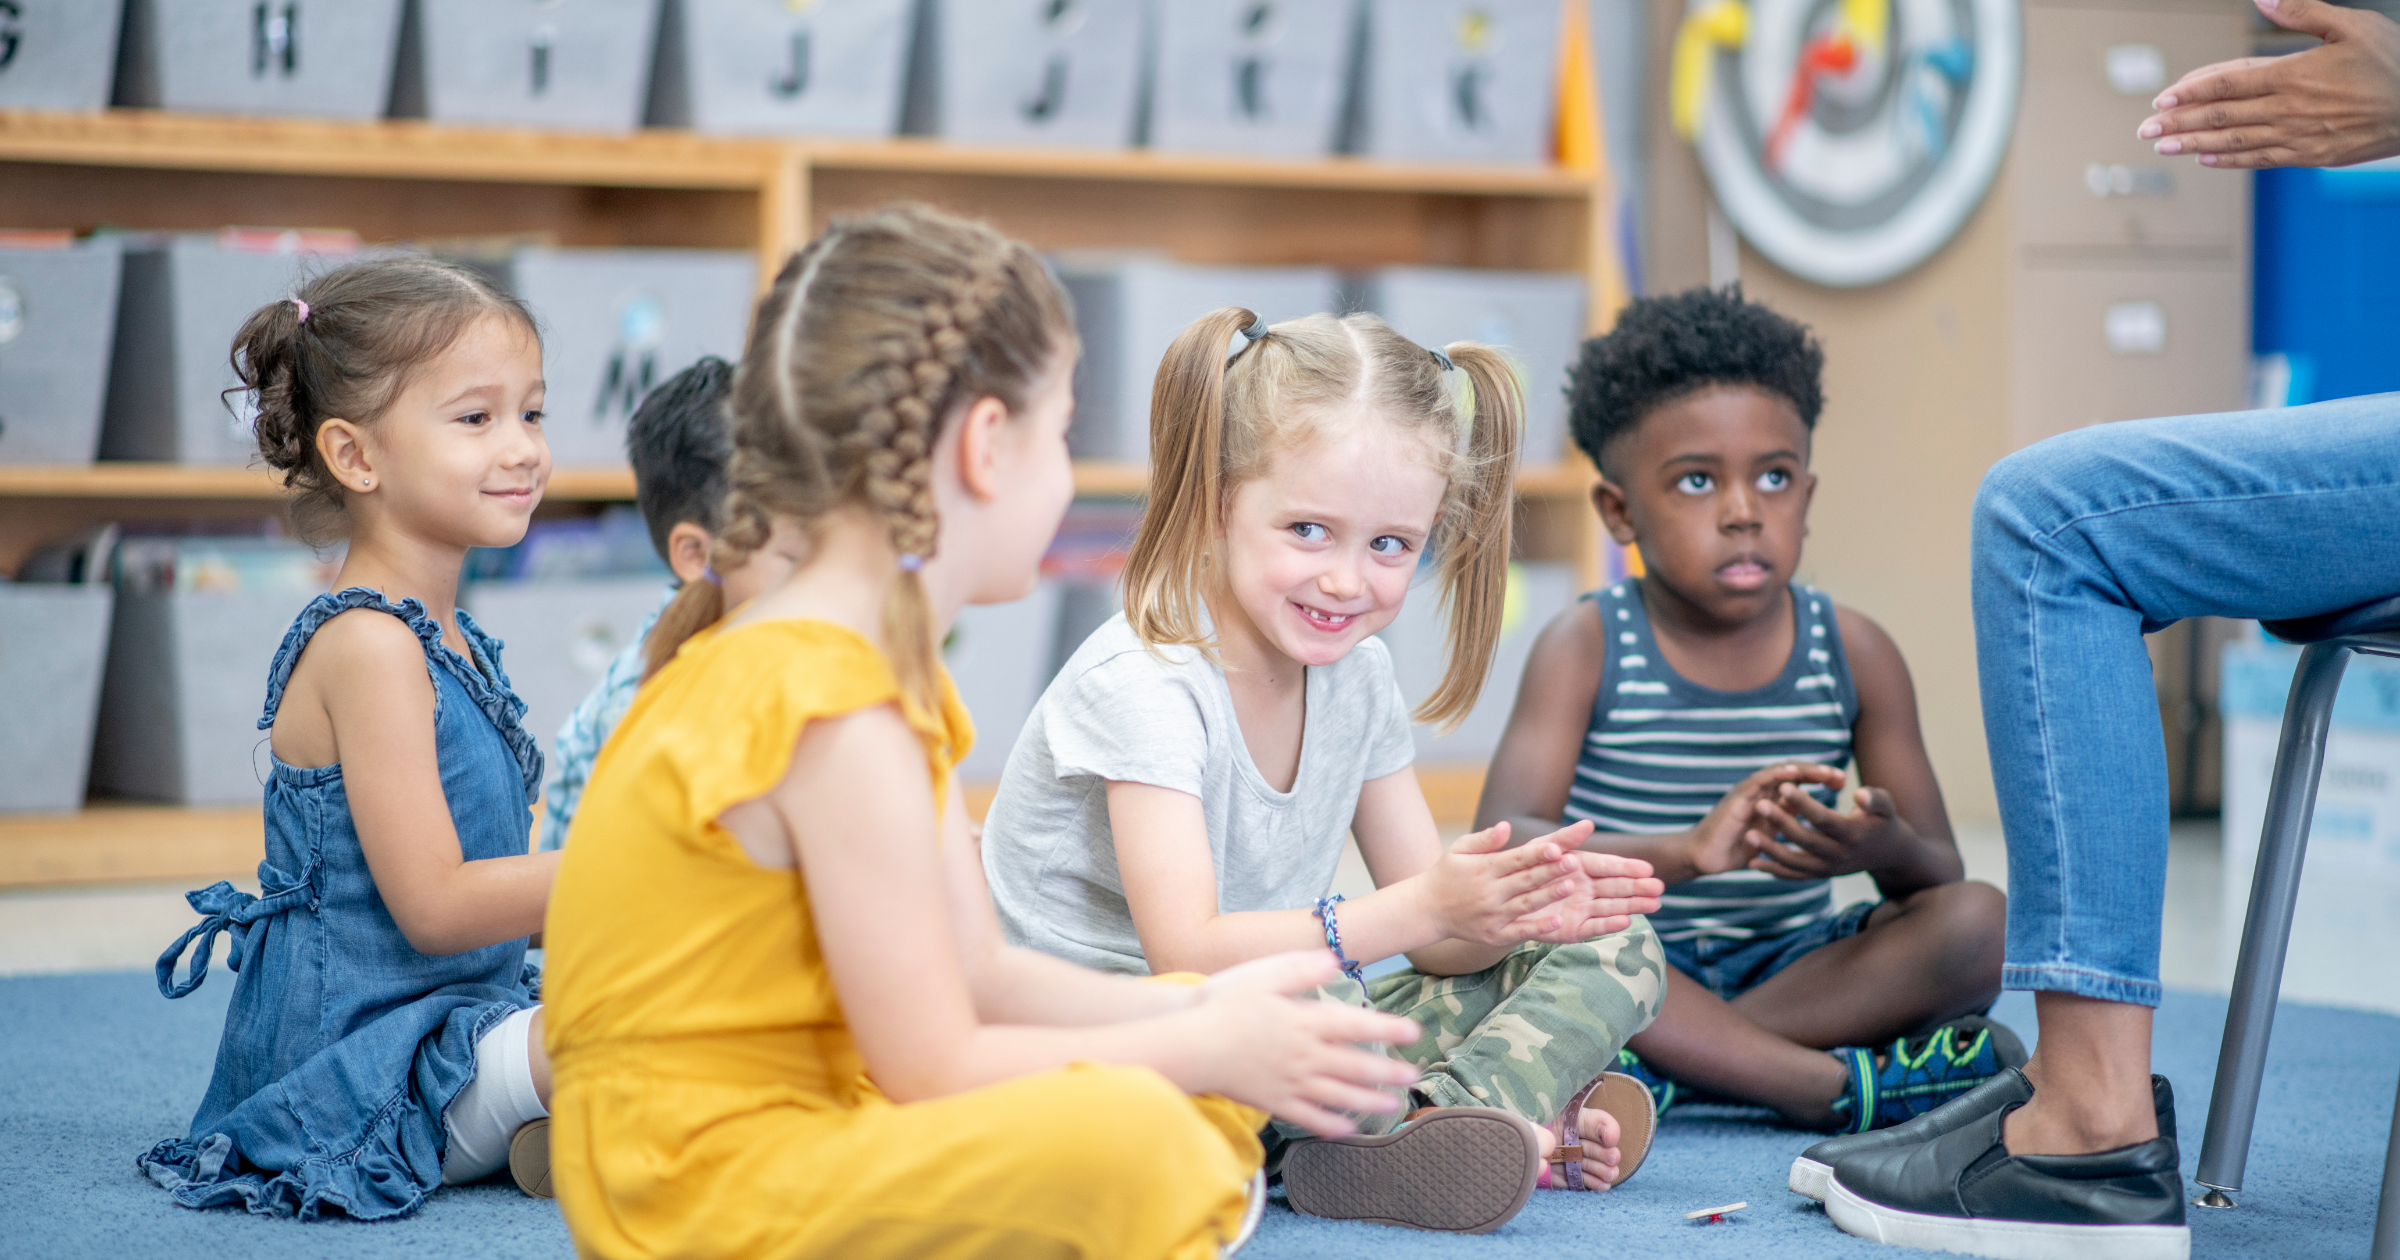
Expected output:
(1899, 831)
(381, 718)
(1163, 856)
(855, 813)
(1534, 766)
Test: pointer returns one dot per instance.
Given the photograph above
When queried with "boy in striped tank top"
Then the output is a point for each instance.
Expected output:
(1702, 717)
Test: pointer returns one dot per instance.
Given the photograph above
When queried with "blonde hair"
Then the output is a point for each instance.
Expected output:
(869, 340)
(1215, 425)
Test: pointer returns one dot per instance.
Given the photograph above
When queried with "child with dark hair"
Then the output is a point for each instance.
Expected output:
(678, 443)
(1702, 715)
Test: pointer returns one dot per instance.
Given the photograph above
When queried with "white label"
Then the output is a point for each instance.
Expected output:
(2135, 327)
(2136, 69)
(12, 312)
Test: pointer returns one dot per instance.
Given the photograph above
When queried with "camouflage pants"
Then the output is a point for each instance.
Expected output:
(1523, 1034)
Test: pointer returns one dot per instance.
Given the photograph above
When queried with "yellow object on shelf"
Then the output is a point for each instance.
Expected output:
(1725, 24)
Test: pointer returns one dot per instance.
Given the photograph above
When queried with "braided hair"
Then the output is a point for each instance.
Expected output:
(868, 342)
(345, 346)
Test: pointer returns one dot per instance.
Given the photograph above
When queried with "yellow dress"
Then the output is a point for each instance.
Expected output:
(708, 1100)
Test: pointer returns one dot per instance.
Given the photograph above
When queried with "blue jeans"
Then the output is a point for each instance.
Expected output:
(2084, 543)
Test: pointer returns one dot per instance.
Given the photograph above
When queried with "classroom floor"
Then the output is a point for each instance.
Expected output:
(101, 1067)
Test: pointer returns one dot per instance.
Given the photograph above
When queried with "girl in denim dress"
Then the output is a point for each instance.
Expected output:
(384, 1036)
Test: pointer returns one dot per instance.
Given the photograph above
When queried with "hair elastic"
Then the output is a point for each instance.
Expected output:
(911, 561)
(708, 573)
(1257, 328)
(1444, 360)
(303, 309)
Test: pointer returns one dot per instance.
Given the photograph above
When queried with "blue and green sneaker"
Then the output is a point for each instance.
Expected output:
(1917, 1074)
(1662, 1091)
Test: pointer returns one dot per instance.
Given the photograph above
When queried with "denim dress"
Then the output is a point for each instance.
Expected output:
(343, 1045)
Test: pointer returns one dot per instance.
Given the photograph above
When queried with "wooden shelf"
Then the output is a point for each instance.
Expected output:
(117, 843)
(113, 480)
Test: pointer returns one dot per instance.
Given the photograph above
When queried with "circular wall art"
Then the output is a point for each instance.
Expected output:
(1847, 139)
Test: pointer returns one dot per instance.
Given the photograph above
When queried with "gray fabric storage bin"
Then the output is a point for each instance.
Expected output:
(1537, 592)
(999, 657)
(320, 58)
(615, 323)
(183, 299)
(753, 67)
(197, 624)
(1129, 311)
(1538, 317)
(58, 54)
(1250, 76)
(58, 317)
(1458, 81)
(1030, 72)
(581, 64)
(560, 637)
(53, 638)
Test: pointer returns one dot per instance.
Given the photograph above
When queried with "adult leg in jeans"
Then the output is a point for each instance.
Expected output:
(2082, 544)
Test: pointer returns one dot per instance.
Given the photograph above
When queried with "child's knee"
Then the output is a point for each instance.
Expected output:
(1971, 918)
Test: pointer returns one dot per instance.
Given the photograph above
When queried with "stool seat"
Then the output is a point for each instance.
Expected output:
(2380, 616)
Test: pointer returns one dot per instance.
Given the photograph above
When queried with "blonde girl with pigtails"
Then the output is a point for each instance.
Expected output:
(1179, 799)
(782, 1020)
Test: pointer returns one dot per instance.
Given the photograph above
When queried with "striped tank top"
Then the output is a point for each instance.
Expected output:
(1662, 750)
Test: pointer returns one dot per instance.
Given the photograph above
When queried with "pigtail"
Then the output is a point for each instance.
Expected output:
(1474, 530)
(1166, 573)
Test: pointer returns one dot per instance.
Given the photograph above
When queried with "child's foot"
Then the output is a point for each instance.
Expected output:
(1916, 1074)
(1615, 1120)
(1664, 1093)
(529, 1158)
(1464, 1170)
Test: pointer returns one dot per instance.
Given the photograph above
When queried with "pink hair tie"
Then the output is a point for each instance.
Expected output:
(303, 309)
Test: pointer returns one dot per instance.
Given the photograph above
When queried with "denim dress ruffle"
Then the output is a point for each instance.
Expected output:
(343, 1045)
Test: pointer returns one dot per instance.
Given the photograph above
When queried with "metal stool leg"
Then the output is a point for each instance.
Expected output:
(2267, 929)
(2387, 1215)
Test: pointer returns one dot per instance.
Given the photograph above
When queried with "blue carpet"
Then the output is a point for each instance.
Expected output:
(99, 1066)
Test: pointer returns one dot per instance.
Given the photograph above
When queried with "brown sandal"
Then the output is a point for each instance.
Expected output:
(1636, 1114)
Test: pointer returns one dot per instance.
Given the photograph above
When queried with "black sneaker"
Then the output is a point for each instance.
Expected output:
(1963, 1192)
(1813, 1170)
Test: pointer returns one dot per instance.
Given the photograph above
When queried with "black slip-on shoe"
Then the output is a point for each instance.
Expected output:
(1963, 1192)
(1812, 1171)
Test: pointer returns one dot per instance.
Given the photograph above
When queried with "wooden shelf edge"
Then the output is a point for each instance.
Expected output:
(665, 158)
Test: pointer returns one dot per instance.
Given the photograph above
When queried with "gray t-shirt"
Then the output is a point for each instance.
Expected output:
(1117, 712)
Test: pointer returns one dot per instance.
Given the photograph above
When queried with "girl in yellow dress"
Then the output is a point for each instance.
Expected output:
(781, 1018)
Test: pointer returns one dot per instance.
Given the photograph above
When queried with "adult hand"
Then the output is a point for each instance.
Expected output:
(2332, 105)
(1254, 1040)
(1818, 843)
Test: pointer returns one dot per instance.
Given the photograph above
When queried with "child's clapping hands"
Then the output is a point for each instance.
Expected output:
(1801, 839)
(1547, 889)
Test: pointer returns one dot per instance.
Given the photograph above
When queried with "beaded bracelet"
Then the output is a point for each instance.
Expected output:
(1333, 938)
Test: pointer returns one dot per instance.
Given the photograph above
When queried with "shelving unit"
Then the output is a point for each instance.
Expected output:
(392, 181)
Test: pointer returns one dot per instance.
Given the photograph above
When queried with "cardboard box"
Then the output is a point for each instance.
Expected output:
(560, 637)
(618, 322)
(197, 623)
(1250, 76)
(184, 298)
(999, 657)
(748, 67)
(1538, 317)
(319, 58)
(58, 318)
(1537, 592)
(1458, 81)
(581, 64)
(1129, 311)
(1026, 72)
(53, 638)
(58, 54)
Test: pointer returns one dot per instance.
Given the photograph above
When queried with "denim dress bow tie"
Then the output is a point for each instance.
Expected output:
(343, 1045)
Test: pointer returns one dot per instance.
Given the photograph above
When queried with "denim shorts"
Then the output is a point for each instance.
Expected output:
(1730, 968)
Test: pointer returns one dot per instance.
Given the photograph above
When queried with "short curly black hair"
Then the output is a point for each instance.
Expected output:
(1664, 348)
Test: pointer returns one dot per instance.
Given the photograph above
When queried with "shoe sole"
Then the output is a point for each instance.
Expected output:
(1466, 1170)
(529, 1158)
(2002, 1240)
(1636, 1114)
(1811, 1177)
